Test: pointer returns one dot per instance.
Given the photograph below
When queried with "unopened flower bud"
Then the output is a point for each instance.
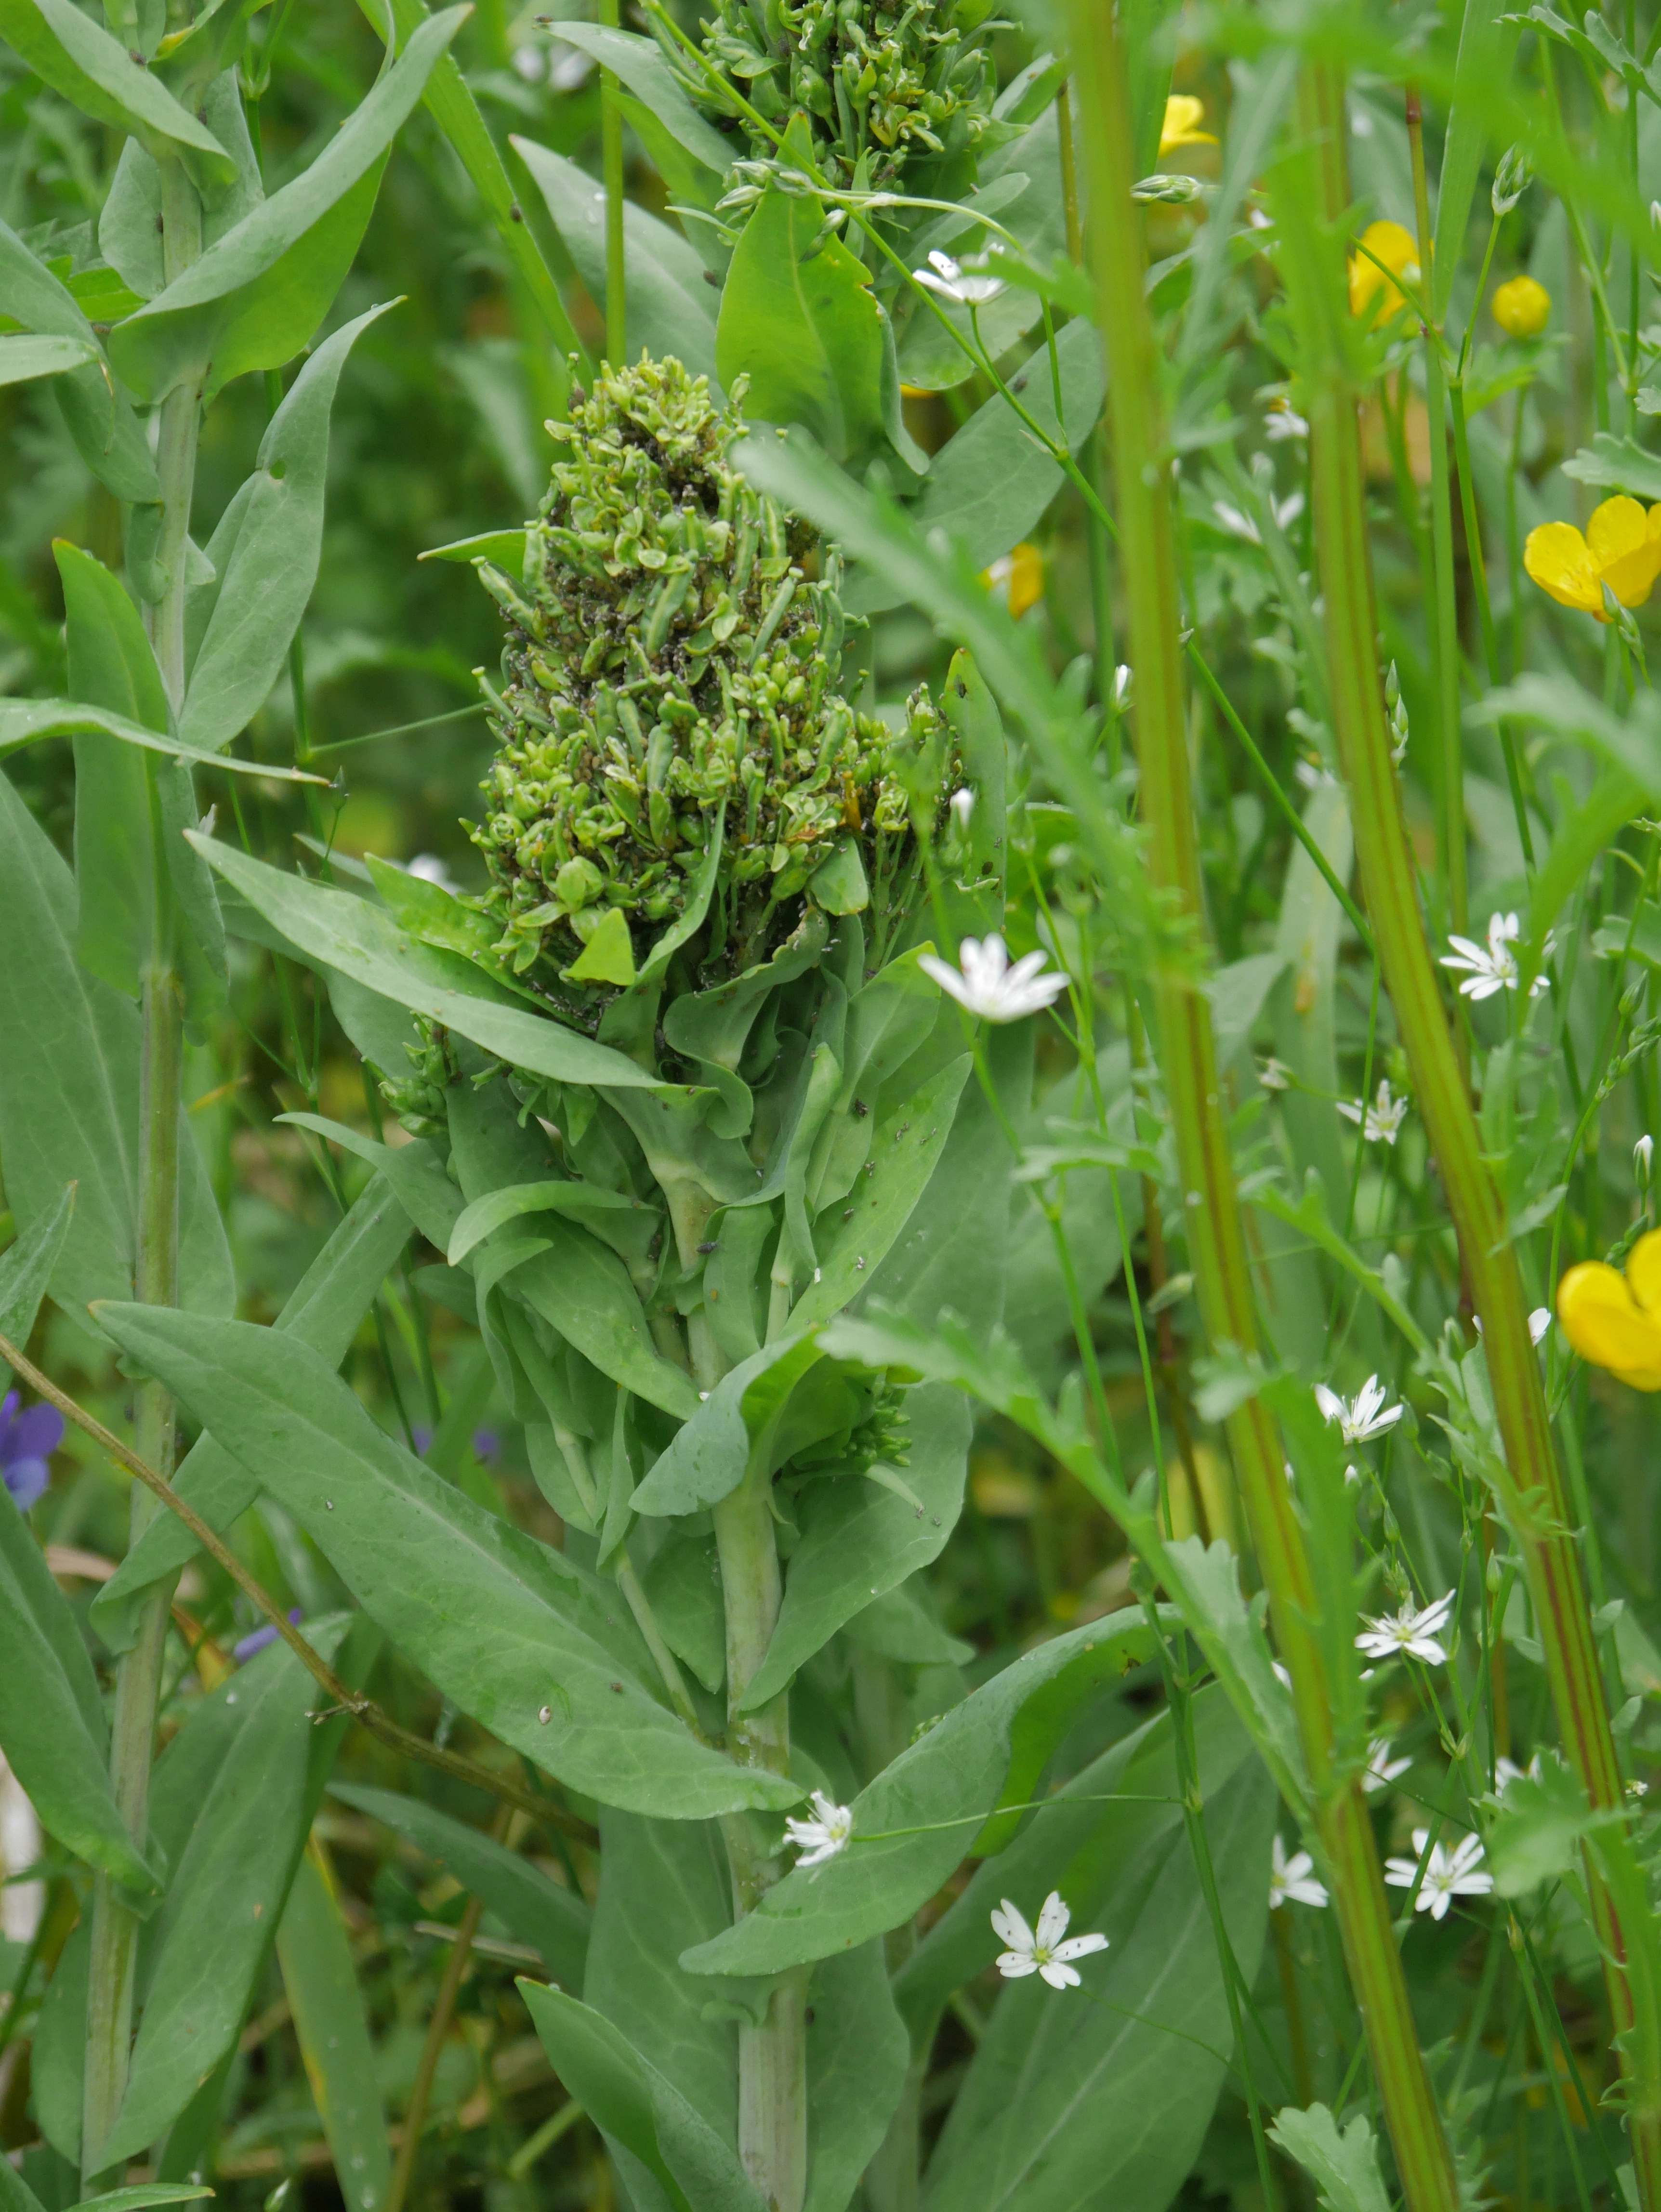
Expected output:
(1522, 306)
(1643, 1153)
(1510, 179)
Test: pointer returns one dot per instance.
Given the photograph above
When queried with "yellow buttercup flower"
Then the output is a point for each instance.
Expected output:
(1622, 548)
(1017, 577)
(1183, 116)
(1521, 307)
(1615, 1320)
(1398, 249)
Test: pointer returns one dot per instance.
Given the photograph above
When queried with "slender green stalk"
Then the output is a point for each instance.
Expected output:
(1216, 1237)
(611, 168)
(1444, 611)
(1538, 1504)
(1479, 578)
(114, 1927)
(432, 2050)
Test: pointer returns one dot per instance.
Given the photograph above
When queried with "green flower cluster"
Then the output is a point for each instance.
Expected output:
(670, 676)
(885, 85)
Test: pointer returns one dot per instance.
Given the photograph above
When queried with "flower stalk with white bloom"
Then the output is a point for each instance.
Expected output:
(1448, 1873)
(825, 1835)
(1364, 1416)
(1322, 1695)
(1539, 1505)
(1486, 969)
(960, 282)
(1381, 1769)
(1379, 1123)
(1412, 1633)
(1049, 1950)
(987, 986)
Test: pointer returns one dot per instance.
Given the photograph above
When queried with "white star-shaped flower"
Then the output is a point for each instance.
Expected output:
(1050, 1951)
(1283, 421)
(1293, 1878)
(1448, 1874)
(1491, 967)
(825, 1835)
(1382, 1120)
(988, 986)
(1381, 1769)
(953, 282)
(1360, 1418)
(1407, 1634)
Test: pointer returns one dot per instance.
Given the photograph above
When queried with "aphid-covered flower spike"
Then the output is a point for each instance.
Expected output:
(670, 674)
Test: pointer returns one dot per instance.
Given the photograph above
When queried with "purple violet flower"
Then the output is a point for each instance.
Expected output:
(252, 1645)
(28, 1440)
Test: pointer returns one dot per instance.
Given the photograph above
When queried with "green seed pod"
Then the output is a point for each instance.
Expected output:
(672, 673)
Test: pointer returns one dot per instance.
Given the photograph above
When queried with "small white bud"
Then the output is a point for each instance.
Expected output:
(1643, 1153)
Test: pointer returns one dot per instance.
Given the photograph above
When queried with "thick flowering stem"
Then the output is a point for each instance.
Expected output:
(114, 1928)
(1187, 1057)
(1537, 1503)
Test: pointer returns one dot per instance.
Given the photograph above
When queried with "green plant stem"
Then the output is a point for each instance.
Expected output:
(1479, 578)
(1216, 1237)
(611, 168)
(113, 1963)
(1536, 1499)
(1444, 611)
(432, 2050)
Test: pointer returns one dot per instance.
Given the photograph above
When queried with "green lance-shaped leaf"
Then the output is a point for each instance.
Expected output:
(257, 295)
(1068, 2103)
(362, 941)
(627, 1224)
(23, 359)
(268, 570)
(940, 1790)
(101, 421)
(860, 1541)
(332, 2022)
(639, 63)
(804, 327)
(111, 665)
(518, 1636)
(69, 1105)
(27, 722)
(53, 1729)
(644, 2116)
(1342, 2162)
(94, 72)
(58, 2058)
(670, 307)
(26, 1268)
(737, 1427)
(141, 2193)
(533, 1909)
(324, 1310)
(231, 1796)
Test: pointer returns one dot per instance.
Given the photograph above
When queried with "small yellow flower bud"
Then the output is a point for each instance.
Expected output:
(1398, 249)
(1521, 307)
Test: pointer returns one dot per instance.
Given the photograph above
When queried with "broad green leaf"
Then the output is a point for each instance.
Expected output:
(662, 1885)
(24, 358)
(860, 1541)
(902, 1625)
(1342, 2162)
(324, 1310)
(508, 1630)
(857, 2055)
(26, 721)
(988, 487)
(639, 63)
(51, 1723)
(26, 1269)
(263, 588)
(626, 1223)
(94, 72)
(682, 1582)
(332, 2022)
(417, 1179)
(806, 329)
(256, 297)
(533, 1909)
(1541, 1824)
(641, 2112)
(941, 1787)
(733, 1431)
(905, 1150)
(361, 940)
(15, 2195)
(69, 1104)
(669, 308)
(1617, 464)
(57, 2059)
(238, 1804)
(141, 2194)
(1074, 2105)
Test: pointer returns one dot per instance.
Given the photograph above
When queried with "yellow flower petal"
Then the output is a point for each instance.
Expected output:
(1018, 577)
(1559, 560)
(1632, 578)
(1618, 526)
(1522, 306)
(1644, 1271)
(1605, 1324)
(1399, 251)
(1183, 114)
